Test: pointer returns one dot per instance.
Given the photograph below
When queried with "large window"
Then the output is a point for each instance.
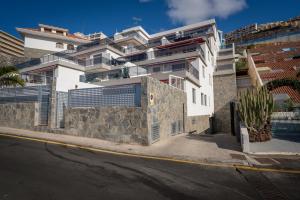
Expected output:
(194, 95)
(59, 45)
(202, 99)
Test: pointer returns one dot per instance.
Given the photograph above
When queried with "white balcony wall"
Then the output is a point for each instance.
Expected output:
(67, 79)
(44, 44)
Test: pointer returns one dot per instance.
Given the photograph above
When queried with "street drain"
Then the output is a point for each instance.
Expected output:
(263, 185)
(238, 156)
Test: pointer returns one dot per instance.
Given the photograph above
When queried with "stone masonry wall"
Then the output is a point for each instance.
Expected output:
(225, 91)
(131, 125)
(118, 124)
(167, 108)
(197, 124)
(19, 115)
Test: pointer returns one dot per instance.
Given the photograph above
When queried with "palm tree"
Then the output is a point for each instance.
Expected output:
(9, 76)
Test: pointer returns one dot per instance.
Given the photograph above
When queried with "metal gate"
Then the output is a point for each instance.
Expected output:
(61, 104)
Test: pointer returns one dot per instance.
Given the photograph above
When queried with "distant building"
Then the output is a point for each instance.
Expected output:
(49, 39)
(281, 31)
(10, 45)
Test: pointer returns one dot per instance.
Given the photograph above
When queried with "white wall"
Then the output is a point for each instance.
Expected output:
(44, 44)
(195, 109)
(67, 78)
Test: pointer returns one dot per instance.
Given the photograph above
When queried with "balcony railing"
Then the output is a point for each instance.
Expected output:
(165, 52)
(66, 58)
(141, 70)
(102, 42)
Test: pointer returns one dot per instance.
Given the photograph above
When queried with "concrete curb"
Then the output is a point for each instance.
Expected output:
(105, 150)
(215, 163)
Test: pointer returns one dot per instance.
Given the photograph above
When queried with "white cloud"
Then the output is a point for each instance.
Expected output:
(137, 19)
(191, 11)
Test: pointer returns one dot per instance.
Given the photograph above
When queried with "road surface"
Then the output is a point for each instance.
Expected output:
(35, 170)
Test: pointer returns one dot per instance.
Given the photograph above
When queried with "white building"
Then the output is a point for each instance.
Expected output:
(49, 39)
(184, 57)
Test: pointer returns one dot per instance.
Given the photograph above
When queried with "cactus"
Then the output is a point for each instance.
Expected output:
(255, 108)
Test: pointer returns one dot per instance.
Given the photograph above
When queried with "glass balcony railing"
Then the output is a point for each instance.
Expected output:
(165, 52)
(66, 58)
(141, 70)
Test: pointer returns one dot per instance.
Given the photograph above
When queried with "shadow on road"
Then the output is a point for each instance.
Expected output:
(223, 141)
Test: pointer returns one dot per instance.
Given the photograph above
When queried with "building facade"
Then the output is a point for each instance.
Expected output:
(49, 39)
(183, 58)
(279, 31)
(10, 45)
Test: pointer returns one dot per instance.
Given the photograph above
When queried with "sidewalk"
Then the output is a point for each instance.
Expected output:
(219, 148)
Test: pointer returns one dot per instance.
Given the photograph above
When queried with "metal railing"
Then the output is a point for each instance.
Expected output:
(140, 71)
(40, 94)
(125, 95)
(53, 57)
(102, 42)
(165, 52)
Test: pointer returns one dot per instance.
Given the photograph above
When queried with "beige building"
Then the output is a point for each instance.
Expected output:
(10, 45)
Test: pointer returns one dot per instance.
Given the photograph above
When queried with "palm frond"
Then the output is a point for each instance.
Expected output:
(9, 76)
(8, 69)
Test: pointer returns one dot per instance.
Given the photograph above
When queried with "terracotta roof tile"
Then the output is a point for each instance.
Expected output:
(293, 94)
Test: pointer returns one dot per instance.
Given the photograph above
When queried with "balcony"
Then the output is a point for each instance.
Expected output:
(158, 55)
(133, 37)
(64, 59)
(161, 72)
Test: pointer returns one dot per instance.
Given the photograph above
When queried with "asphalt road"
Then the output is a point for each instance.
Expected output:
(35, 170)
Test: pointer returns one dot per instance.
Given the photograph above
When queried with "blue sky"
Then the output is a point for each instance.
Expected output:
(154, 15)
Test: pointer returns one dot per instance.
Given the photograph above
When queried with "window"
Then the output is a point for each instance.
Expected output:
(156, 69)
(205, 100)
(202, 98)
(70, 47)
(203, 71)
(194, 95)
(59, 32)
(178, 67)
(59, 45)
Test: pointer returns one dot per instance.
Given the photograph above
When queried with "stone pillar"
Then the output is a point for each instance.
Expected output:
(225, 91)
(52, 106)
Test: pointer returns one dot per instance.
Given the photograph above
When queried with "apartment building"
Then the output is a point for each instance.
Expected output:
(10, 45)
(279, 31)
(184, 58)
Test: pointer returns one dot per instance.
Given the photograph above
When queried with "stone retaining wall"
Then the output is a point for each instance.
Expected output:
(168, 107)
(132, 125)
(118, 124)
(19, 115)
(197, 124)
